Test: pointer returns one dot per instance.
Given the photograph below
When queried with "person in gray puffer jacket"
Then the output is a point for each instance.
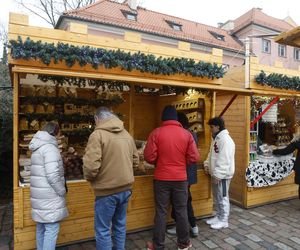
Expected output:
(47, 186)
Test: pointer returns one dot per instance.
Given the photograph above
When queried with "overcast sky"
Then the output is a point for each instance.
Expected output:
(208, 12)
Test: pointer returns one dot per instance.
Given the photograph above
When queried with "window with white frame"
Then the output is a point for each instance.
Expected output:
(297, 54)
(281, 50)
(266, 46)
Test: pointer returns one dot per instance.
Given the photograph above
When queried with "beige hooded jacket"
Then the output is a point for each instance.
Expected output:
(110, 156)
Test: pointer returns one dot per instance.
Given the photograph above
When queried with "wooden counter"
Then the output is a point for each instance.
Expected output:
(80, 201)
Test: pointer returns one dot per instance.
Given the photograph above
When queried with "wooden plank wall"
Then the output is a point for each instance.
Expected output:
(286, 189)
(235, 122)
(80, 201)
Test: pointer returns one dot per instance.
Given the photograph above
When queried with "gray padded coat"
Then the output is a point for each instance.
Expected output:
(47, 182)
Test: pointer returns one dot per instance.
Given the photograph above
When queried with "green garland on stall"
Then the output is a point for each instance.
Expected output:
(35, 100)
(278, 81)
(84, 55)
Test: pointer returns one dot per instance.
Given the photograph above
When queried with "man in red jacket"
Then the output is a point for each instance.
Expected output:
(171, 148)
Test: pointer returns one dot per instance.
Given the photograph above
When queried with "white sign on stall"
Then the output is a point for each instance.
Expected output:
(271, 114)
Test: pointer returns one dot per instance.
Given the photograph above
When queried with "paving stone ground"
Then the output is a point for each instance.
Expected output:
(274, 226)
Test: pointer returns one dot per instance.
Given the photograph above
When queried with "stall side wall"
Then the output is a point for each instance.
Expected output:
(235, 121)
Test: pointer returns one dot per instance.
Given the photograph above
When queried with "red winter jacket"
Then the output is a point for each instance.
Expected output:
(171, 148)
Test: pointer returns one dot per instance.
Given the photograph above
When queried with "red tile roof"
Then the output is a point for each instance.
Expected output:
(256, 16)
(109, 12)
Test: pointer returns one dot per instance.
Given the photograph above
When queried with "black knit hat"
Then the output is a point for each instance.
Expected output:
(169, 113)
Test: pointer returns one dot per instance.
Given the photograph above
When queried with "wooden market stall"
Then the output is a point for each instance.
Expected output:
(291, 37)
(41, 92)
(238, 119)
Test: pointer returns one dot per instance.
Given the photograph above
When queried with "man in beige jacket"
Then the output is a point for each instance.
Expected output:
(110, 156)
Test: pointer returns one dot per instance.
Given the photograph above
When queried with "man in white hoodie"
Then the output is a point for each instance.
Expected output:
(220, 166)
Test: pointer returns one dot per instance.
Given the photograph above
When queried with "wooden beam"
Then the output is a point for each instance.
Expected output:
(131, 110)
(228, 105)
(15, 130)
(20, 19)
(213, 104)
(141, 79)
(247, 148)
(256, 119)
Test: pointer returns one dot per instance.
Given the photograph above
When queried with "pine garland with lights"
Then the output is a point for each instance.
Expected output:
(280, 81)
(84, 55)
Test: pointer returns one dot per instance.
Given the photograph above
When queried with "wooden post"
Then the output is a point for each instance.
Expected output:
(21, 208)
(16, 130)
(247, 149)
(131, 110)
(213, 104)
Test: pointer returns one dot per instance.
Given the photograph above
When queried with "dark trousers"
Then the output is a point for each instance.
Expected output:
(190, 210)
(163, 192)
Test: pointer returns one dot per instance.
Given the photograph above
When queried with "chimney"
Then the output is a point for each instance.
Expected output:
(132, 4)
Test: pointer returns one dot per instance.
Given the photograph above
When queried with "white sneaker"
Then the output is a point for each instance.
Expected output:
(195, 231)
(219, 225)
(171, 231)
(213, 220)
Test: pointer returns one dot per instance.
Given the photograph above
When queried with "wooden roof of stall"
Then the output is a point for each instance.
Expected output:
(132, 42)
(233, 81)
(291, 37)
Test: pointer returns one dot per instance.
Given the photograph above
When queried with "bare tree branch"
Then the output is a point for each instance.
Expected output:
(50, 10)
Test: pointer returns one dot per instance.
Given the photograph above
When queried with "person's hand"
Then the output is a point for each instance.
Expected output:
(215, 180)
(206, 169)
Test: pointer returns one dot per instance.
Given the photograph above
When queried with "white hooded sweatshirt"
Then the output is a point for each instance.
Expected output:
(220, 160)
(47, 182)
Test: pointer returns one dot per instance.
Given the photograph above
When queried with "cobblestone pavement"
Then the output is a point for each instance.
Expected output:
(274, 226)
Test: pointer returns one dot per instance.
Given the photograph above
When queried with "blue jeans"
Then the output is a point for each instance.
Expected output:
(46, 235)
(110, 216)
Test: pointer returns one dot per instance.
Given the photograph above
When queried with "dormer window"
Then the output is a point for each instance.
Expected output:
(217, 36)
(130, 15)
(175, 26)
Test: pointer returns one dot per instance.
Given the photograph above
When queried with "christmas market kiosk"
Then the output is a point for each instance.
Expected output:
(265, 120)
(64, 76)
